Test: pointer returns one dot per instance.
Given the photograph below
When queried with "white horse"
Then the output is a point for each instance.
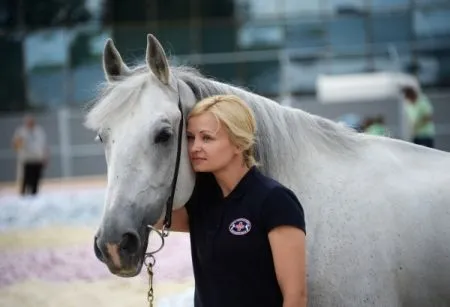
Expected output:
(377, 209)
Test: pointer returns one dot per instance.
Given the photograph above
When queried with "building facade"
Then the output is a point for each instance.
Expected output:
(51, 50)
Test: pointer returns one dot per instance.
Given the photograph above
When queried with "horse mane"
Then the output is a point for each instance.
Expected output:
(301, 133)
(308, 134)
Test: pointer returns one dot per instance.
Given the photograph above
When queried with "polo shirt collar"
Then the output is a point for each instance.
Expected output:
(242, 185)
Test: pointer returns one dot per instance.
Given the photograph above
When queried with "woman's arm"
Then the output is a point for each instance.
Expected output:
(288, 249)
(180, 221)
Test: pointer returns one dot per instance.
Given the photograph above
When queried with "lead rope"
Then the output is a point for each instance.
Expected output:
(149, 262)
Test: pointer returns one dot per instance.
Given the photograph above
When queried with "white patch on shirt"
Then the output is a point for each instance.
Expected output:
(240, 226)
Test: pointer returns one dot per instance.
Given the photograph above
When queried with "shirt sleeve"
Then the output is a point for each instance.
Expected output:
(427, 107)
(282, 208)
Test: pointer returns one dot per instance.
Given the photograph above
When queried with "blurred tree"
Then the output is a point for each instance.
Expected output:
(218, 8)
(54, 13)
(130, 11)
(80, 50)
(8, 13)
(176, 10)
(12, 89)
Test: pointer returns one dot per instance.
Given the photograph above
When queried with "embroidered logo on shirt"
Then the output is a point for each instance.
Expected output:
(240, 226)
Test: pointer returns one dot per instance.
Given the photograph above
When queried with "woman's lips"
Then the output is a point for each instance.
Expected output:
(198, 160)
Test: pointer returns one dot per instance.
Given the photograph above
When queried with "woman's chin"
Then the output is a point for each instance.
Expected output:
(202, 168)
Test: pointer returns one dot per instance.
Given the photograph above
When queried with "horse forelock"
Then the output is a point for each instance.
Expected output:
(114, 99)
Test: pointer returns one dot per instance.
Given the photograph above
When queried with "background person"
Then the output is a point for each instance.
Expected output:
(30, 143)
(420, 114)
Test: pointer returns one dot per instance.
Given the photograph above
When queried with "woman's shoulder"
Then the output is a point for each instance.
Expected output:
(271, 187)
(279, 204)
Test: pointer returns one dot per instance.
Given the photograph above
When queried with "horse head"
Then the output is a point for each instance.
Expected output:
(137, 120)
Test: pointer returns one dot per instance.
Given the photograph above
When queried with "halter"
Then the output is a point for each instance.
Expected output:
(169, 204)
(149, 258)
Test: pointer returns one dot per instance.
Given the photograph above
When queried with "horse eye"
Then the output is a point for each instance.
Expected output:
(163, 136)
(98, 138)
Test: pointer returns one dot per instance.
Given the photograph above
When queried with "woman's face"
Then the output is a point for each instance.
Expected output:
(210, 148)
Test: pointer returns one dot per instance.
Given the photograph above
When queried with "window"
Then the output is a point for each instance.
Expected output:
(227, 73)
(392, 61)
(260, 35)
(297, 8)
(432, 27)
(302, 73)
(46, 65)
(344, 7)
(391, 28)
(175, 38)
(86, 50)
(430, 2)
(131, 41)
(309, 34)
(261, 77)
(218, 37)
(349, 65)
(389, 4)
(272, 9)
(434, 68)
(347, 34)
(253, 10)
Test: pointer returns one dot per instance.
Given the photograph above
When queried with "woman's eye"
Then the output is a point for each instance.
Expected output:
(162, 137)
(207, 138)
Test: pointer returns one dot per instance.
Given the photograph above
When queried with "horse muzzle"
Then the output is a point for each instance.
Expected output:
(123, 257)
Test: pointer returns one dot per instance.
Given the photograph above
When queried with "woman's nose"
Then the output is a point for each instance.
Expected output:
(195, 146)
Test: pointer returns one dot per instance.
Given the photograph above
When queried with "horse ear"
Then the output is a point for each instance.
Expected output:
(157, 60)
(113, 65)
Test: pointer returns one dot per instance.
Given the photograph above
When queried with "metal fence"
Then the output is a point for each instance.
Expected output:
(74, 152)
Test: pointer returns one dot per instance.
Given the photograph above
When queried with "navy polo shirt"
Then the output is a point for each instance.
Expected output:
(231, 255)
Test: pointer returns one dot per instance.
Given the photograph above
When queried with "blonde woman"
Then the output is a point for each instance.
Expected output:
(247, 230)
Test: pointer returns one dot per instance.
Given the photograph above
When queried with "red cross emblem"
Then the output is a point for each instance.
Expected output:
(240, 226)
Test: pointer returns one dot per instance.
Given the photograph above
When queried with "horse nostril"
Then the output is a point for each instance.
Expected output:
(130, 243)
(97, 251)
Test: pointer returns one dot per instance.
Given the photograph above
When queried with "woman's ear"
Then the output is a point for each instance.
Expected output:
(238, 149)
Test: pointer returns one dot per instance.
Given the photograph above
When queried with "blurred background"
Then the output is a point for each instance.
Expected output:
(51, 57)
(51, 67)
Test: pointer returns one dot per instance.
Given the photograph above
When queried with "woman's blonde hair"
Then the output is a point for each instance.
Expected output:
(237, 118)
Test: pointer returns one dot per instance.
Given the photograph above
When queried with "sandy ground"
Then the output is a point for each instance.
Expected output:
(107, 293)
(54, 265)
(50, 184)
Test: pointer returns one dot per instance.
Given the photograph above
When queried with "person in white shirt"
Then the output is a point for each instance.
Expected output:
(30, 143)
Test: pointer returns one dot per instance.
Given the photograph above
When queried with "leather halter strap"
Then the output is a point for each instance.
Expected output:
(169, 203)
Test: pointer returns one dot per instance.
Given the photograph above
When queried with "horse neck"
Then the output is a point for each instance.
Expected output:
(293, 140)
(289, 140)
